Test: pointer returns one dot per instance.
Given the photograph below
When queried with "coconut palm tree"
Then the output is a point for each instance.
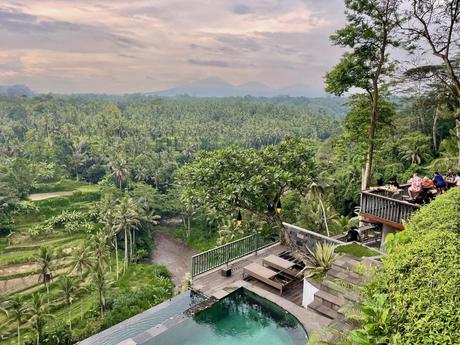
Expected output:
(120, 170)
(45, 261)
(17, 310)
(100, 249)
(317, 190)
(99, 281)
(38, 312)
(127, 217)
(81, 260)
(106, 215)
(69, 289)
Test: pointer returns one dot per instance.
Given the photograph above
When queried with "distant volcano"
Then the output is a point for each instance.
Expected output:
(217, 87)
(15, 91)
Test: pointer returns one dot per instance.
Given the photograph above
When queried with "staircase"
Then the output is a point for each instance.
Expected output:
(336, 289)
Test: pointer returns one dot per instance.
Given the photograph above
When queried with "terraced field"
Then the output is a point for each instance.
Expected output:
(18, 267)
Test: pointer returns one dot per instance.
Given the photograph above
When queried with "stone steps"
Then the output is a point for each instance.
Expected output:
(323, 310)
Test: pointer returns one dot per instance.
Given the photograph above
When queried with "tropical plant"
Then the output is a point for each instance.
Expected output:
(68, 287)
(81, 260)
(38, 311)
(17, 311)
(320, 261)
(126, 218)
(45, 261)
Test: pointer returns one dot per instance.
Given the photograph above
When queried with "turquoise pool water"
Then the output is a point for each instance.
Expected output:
(241, 318)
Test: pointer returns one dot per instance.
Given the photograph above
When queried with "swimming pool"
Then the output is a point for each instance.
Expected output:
(241, 318)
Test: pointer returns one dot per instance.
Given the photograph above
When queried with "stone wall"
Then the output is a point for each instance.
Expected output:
(300, 237)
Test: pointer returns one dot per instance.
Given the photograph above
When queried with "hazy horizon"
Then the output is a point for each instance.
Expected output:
(143, 46)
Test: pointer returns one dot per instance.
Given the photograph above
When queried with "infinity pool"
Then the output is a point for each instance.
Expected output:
(241, 318)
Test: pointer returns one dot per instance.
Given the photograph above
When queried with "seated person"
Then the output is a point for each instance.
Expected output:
(450, 176)
(392, 182)
(353, 235)
(457, 179)
(427, 183)
(439, 182)
(415, 186)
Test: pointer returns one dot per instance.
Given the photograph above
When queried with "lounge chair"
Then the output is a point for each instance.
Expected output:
(273, 278)
(289, 267)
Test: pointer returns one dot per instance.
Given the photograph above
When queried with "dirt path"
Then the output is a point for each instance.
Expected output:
(43, 196)
(173, 254)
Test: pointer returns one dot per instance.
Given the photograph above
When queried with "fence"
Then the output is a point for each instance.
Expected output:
(218, 256)
(386, 208)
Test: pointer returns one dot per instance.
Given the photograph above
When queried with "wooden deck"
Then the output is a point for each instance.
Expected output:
(213, 284)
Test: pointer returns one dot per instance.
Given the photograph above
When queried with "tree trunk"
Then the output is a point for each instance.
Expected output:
(101, 303)
(70, 316)
(130, 245)
(116, 254)
(370, 148)
(126, 252)
(189, 228)
(19, 333)
(133, 244)
(435, 122)
(457, 121)
(325, 217)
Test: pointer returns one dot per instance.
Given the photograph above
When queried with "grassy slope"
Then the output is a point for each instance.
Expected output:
(83, 198)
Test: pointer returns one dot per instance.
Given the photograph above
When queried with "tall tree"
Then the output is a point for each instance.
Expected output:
(17, 311)
(436, 24)
(126, 218)
(69, 289)
(45, 261)
(39, 314)
(233, 179)
(369, 34)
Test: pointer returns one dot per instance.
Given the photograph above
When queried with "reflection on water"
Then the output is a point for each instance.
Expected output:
(241, 318)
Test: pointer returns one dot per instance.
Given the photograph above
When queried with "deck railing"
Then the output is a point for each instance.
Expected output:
(386, 208)
(221, 255)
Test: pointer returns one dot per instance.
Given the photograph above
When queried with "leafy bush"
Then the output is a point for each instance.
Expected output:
(421, 277)
(153, 285)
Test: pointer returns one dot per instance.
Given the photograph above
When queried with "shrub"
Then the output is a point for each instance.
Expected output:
(421, 277)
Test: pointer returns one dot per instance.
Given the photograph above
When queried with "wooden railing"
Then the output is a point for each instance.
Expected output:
(386, 208)
(218, 256)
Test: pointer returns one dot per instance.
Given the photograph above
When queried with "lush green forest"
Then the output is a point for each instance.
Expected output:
(85, 180)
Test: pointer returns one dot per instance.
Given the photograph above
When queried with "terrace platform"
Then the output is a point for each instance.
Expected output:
(214, 284)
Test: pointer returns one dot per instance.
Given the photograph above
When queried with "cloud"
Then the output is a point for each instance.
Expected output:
(112, 46)
(211, 63)
(241, 9)
(14, 21)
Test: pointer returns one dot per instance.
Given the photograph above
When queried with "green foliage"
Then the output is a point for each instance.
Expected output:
(356, 250)
(253, 180)
(320, 261)
(421, 277)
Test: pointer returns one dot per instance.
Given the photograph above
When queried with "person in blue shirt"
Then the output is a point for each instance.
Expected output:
(439, 182)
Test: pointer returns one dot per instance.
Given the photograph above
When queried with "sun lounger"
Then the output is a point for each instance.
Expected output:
(282, 265)
(273, 278)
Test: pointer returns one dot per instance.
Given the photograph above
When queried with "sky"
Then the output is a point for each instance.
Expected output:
(125, 46)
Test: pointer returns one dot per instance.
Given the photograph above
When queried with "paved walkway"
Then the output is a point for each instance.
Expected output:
(173, 254)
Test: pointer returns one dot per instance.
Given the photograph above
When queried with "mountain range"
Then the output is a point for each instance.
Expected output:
(15, 91)
(217, 87)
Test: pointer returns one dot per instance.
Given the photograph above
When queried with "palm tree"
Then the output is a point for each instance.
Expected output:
(100, 249)
(317, 190)
(126, 218)
(17, 311)
(120, 170)
(100, 283)
(106, 214)
(69, 289)
(38, 312)
(81, 260)
(45, 261)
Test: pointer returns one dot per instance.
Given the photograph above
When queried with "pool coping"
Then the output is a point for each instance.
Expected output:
(156, 330)
(123, 324)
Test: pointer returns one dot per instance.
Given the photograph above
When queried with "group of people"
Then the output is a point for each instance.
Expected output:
(427, 188)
